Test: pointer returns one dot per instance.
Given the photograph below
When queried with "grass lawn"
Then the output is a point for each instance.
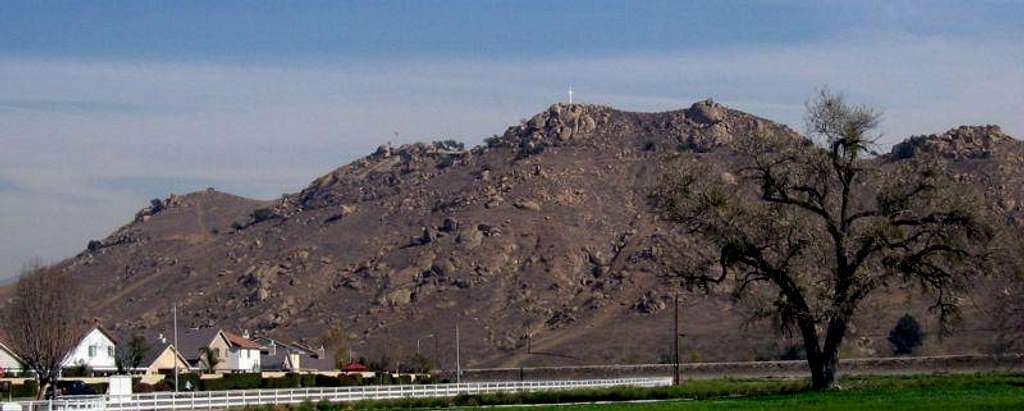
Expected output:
(914, 392)
(945, 393)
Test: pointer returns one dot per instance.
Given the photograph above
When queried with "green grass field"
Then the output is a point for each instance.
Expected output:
(916, 392)
(933, 398)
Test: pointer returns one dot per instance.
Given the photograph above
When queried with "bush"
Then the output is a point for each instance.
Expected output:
(326, 381)
(291, 380)
(99, 387)
(906, 335)
(233, 382)
(27, 390)
(163, 385)
(183, 380)
(142, 388)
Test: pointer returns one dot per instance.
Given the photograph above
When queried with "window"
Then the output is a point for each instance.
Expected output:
(110, 351)
(92, 351)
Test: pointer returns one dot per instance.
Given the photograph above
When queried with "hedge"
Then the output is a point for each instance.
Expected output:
(290, 380)
(27, 390)
(233, 382)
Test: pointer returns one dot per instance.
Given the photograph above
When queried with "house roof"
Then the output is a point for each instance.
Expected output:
(240, 342)
(104, 332)
(319, 362)
(5, 347)
(355, 367)
(191, 341)
(279, 361)
(155, 352)
(156, 343)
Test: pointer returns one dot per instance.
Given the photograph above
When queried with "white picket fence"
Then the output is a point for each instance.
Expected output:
(211, 400)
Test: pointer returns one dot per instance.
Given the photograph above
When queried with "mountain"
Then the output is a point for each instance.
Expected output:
(540, 240)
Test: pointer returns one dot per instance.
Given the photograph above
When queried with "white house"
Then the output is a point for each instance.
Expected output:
(96, 351)
(244, 354)
(233, 352)
(10, 363)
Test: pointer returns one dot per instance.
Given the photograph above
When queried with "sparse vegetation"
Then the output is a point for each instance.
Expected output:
(906, 335)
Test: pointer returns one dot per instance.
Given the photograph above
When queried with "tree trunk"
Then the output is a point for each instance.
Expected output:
(44, 384)
(823, 370)
(826, 362)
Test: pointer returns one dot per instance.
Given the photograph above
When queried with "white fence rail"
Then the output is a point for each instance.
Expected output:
(210, 400)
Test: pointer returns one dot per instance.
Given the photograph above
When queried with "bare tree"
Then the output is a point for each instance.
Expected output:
(336, 342)
(812, 227)
(44, 320)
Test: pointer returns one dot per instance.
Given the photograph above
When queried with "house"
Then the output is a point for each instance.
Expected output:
(294, 357)
(243, 353)
(161, 357)
(96, 351)
(227, 351)
(10, 362)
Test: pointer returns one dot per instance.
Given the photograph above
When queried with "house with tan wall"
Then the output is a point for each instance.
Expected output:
(231, 352)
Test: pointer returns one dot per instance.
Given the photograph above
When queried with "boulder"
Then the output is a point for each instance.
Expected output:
(527, 205)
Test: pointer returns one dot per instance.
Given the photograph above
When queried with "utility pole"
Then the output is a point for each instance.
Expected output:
(675, 339)
(458, 363)
(174, 311)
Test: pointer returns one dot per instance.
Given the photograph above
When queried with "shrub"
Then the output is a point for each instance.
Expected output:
(183, 380)
(163, 385)
(27, 390)
(793, 352)
(99, 387)
(233, 382)
(906, 335)
(263, 214)
(326, 381)
(142, 388)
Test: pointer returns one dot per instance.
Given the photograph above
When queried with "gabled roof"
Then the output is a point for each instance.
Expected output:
(104, 332)
(156, 351)
(191, 341)
(240, 342)
(6, 348)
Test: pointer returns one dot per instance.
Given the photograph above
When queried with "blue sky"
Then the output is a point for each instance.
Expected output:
(106, 104)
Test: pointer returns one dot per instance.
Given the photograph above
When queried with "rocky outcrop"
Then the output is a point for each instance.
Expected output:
(963, 142)
(561, 123)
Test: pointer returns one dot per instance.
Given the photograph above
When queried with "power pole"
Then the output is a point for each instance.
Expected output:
(458, 363)
(675, 339)
(174, 311)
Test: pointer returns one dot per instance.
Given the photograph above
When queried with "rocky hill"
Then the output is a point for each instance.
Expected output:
(542, 240)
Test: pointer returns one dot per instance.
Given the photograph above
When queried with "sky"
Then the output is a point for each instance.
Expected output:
(107, 104)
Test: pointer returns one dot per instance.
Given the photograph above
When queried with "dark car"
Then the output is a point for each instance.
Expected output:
(73, 388)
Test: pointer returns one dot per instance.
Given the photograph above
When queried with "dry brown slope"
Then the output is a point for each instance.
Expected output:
(544, 231)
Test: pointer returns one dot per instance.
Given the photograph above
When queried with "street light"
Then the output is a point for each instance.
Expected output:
(421, 339)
